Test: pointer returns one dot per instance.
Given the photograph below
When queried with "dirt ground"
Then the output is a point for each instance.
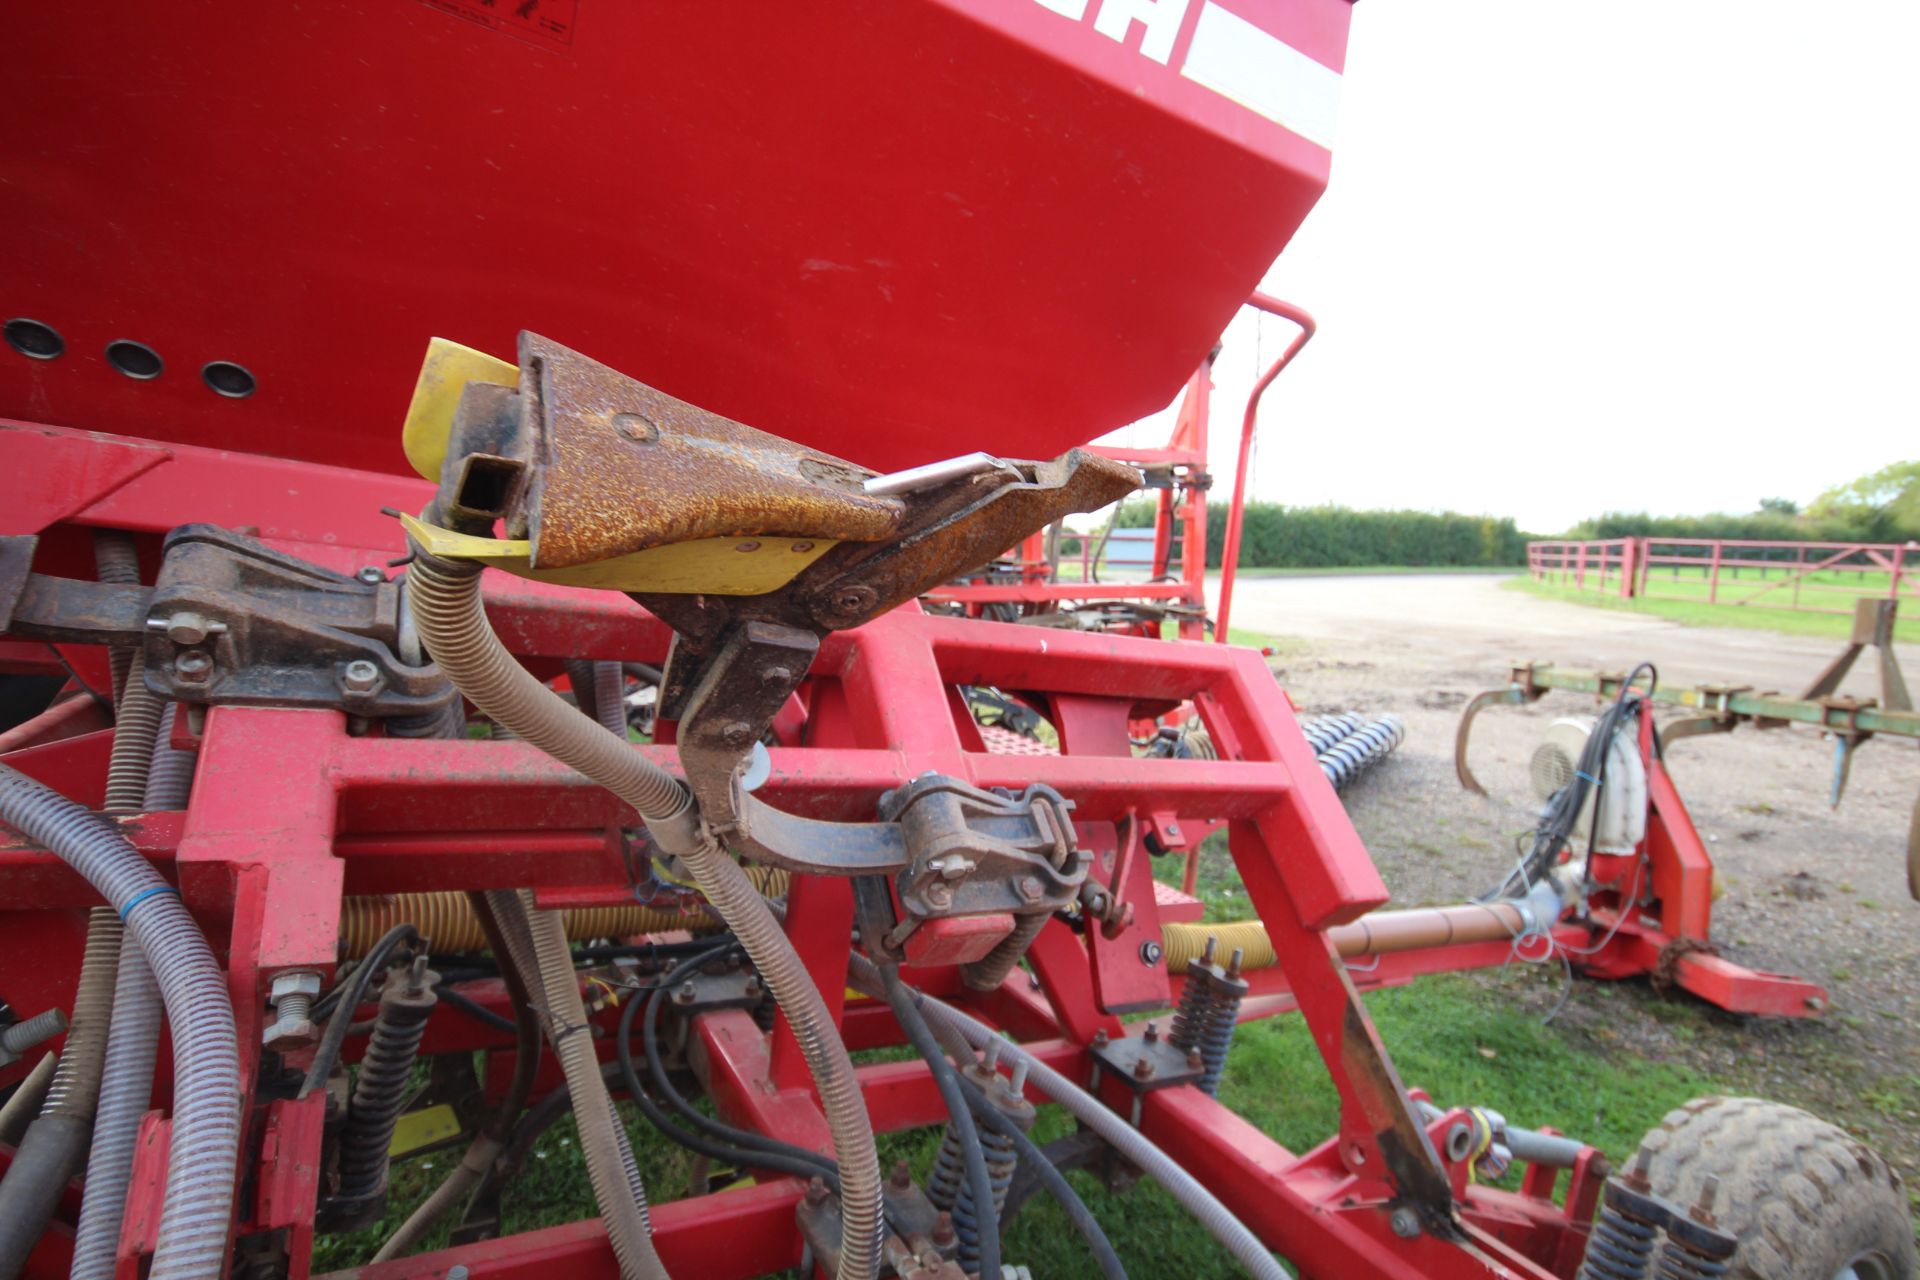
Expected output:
(1804, 889)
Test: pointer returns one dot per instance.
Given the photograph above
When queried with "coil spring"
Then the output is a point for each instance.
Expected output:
(1360, 750)
(1621, 1246)
(1323, 731)
(1190, 1016)
(949, 1172)
(998, 1149)
(1677, 1263)
(1223, 1015)
(383, 1084)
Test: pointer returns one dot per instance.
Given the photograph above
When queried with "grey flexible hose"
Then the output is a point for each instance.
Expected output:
(56, 1142)
(602, 1139)
(170, 776)
(1219, 1221)
(205, 1144)
(126, 1087)
(446, 604)
(136, 727)
(115, 561)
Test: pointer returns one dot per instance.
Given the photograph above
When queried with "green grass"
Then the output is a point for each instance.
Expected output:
(1452, 1036)
(1699, 613)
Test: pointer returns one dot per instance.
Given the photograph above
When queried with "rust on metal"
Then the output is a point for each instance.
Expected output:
(618, 466)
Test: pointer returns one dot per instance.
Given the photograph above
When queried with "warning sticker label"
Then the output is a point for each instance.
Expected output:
(546, 22)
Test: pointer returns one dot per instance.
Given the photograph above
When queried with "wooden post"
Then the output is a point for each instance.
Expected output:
(1713, 577)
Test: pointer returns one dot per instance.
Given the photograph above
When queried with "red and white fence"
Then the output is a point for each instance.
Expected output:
(1814, 577)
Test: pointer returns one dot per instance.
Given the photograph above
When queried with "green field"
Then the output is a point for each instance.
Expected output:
(1684, 599)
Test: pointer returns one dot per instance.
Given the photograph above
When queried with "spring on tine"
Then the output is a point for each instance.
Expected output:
(384, 1084)
(1621, 1246)
(1696, 1247)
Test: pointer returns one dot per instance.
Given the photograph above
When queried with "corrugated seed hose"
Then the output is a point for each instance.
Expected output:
(198, 1208)
(56, 1141)
(446, 604)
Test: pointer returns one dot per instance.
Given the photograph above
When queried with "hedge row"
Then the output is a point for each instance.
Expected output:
(1759, 526)
(1280, 537)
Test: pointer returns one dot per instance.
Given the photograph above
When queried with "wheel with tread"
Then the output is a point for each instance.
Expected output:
(1807, 1200)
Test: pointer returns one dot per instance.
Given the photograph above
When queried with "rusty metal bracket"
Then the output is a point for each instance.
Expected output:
(231, 622)
(1873, 622)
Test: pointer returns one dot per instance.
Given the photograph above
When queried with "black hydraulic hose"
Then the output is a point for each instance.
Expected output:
(484, 1154)
(1053, 1180)
(959, 1114)
(475, 1010)
(355, 989)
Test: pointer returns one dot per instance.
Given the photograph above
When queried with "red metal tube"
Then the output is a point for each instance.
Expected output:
(1230, 553)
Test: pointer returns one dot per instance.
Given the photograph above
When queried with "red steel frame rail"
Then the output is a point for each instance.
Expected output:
(290, 812)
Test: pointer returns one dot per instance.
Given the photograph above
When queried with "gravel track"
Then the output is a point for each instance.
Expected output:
(1804, 889)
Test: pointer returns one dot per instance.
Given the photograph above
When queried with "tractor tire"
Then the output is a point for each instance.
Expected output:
(1806, 1200)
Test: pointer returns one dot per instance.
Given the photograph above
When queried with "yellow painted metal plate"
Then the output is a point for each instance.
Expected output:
(710, 566)
(423, 1128)
(447, 368)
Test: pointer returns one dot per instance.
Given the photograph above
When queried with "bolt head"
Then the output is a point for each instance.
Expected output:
(1150, 953)
(902, 1174)
(943, 1229)
(1406, 1223)
(939, 895)
(360, 676)
(1194, 1060)
(192, 667)
(187, 628)
(1101, 1039)
(636, 427)
(774, 677)
(288, 1034)
(746, 546)
(686, 993)
(1143, 1069)
(1031, 888)
(1153, 1032)
(816, 1193)
(295, 982)
(373, 575)
(737, 734)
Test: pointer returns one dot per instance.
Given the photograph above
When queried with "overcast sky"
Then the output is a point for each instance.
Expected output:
(1589, 256)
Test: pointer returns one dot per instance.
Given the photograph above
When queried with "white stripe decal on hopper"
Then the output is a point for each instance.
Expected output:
(1264, 74)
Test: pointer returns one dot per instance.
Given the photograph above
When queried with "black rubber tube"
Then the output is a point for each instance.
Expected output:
(328, 1055)
(959, 1114)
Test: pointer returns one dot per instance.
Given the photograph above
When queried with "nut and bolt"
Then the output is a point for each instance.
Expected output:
(1405, 1223)
(360, 676)
(192, 667)
(939, 896)
(686, 994)
(291, 997)
(1702, 1210)
(1143, 1069)
(902, 1175)
(943, 1229)
(1031, 888)
(1153, 1033)
(816, 1193)
(1101, 1039)
(1194, 1061)
(848, 601)
(774, 677)
(1150, 953)
(373, 575)
(737, 734)
(186, 628)
(752, 987)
